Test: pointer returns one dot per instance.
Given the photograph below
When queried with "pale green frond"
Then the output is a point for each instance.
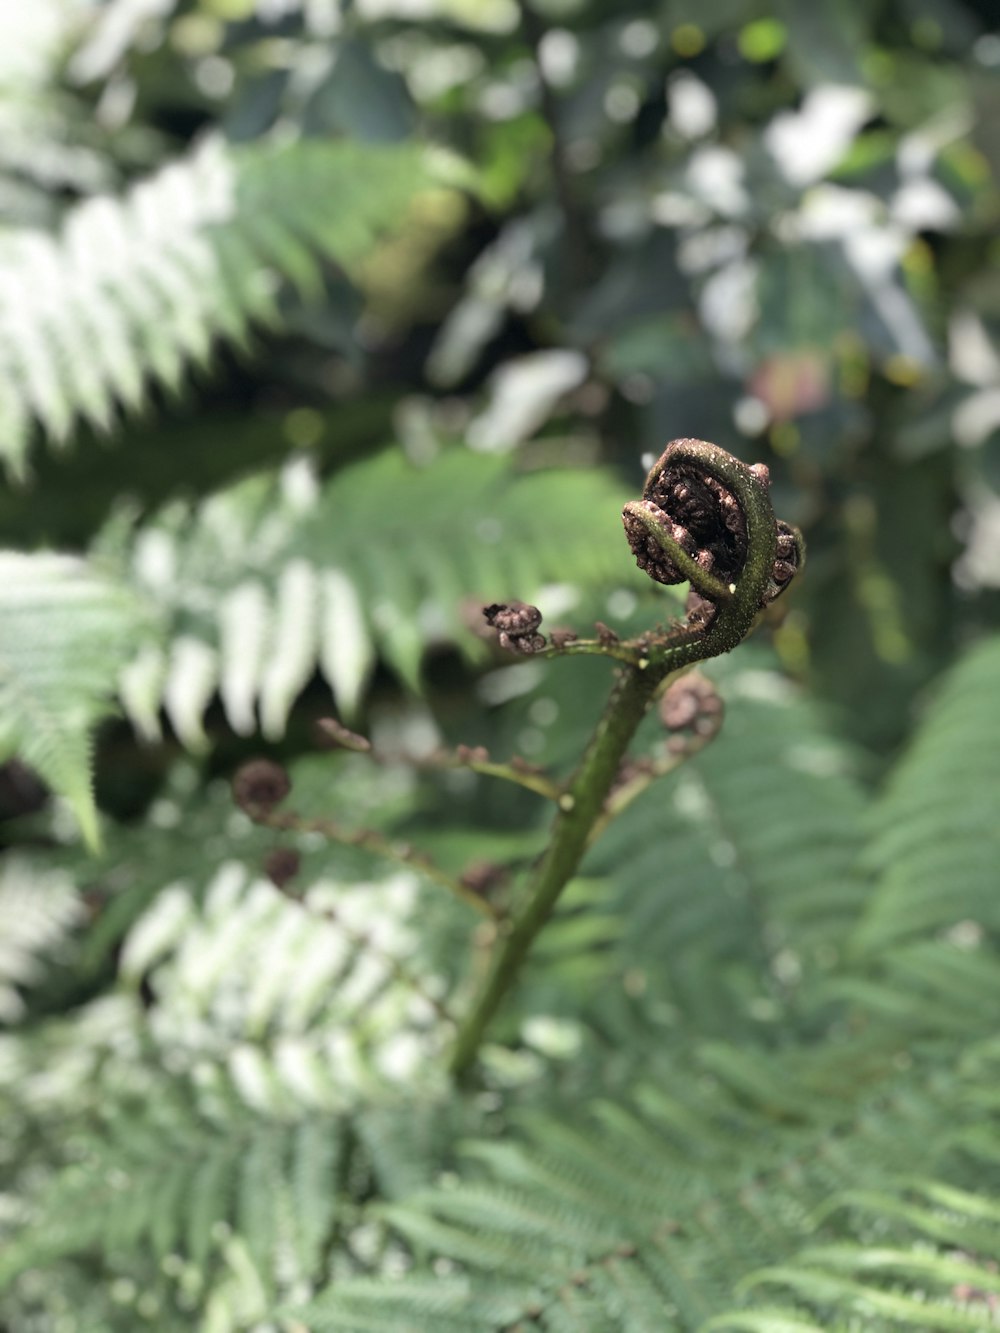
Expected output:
(312, 1004)
(65, 632)
(936, 837)
(284, 1061)
(941, 986)
(135, 291)
(901, 1310)
(180, 1181)
(270, 581)
(39, 910)
(748, 852)
(651, 1219)
(761, 1321)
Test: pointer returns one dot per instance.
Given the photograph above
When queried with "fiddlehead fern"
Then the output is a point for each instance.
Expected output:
(705, 517)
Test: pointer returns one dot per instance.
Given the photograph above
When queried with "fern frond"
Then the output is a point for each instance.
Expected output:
(275, 578)
(736, 879)
(161, 1176)
(65, 633)
(939, 986)
(935, 843)
(915, 1310)
(39, 909)
(281, 1067)
(658, 1215)
(34, 41)
(133, 292)
(295, 1004)
(770, 1320)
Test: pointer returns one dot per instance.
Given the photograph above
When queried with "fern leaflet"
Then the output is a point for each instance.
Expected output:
(936, 838)
(134, 292)
(65, 632)
(274, 578)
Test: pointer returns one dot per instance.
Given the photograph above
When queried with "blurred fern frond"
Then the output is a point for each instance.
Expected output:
(65, 632)
(39, 909)
(935, 843)
(843, 1177)
(166, 1181)
(652, 1214)
(275, 578)
(281, 1065)
(291, 1004)
(135, 291)
(736, 878)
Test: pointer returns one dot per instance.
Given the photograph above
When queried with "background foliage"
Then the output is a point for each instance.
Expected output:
(320, 325)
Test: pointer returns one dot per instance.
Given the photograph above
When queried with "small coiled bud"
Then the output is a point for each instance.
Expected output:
(259, 786)
(516, 624)
(521, 643)
(513, 617)
(472, 754)
(484, 877)
(700, 513)
(282, 864)
(691, 709)
(789, 558)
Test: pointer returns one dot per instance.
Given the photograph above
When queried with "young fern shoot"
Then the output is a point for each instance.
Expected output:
(704, 518)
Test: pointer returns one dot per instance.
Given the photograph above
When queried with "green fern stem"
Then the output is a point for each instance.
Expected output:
(584, 806)
(580, 807)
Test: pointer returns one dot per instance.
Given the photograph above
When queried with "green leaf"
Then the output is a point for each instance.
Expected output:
(935, 843)
(65, 632)
(274, 578)
(134, 292)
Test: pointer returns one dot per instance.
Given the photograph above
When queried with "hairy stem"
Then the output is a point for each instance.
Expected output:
(373, 841)
(629, 700)
(519, 777)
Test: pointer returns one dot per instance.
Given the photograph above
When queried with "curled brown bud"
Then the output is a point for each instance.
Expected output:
(521, 643)
(516, 624)
(472, 754)
(513, 618)
(282, 864)
(259, 786)
(697, 511)
(790, 555)
(483, 877)
(691, 704)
